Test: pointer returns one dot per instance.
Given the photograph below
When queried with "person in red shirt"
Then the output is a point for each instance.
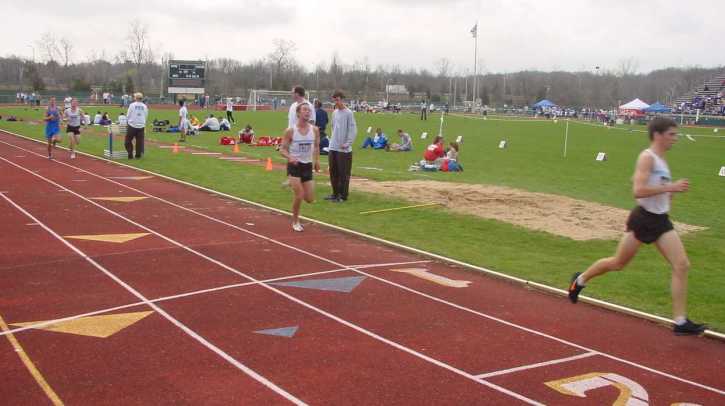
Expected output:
(434, 150)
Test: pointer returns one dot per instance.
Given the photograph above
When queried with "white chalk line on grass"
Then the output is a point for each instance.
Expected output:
(434, 298)
(288, 296)
(537, 365)
(195, 293)
(161, 311)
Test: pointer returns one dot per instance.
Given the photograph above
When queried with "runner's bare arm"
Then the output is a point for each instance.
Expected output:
(284, 148)
(316, 156)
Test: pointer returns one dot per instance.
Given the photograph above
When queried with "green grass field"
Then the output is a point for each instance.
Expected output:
(533, 161)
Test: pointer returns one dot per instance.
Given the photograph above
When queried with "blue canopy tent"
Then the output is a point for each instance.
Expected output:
(544, 104)
(657, 108)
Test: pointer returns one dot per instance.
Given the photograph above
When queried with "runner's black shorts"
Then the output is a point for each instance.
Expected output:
(300, 170)
(648, 227)
(73, 129)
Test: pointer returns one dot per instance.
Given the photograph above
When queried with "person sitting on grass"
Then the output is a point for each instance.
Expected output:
(246, 136)
(122, 119)
(105, 119)
(451, 162)
(324, 144)
(406, 143)
(225, 125)
(379, 141)
(434, 153)
(210, 124)
(97, 119)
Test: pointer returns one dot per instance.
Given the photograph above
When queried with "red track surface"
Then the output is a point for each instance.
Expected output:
(394, 339)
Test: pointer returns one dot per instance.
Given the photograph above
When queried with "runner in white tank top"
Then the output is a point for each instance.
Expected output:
(73, 115)
(301, 147)
(650, 223)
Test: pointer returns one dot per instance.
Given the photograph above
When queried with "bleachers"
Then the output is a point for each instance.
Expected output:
(708, 97)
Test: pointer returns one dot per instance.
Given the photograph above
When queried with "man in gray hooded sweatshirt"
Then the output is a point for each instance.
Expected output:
(344, 130)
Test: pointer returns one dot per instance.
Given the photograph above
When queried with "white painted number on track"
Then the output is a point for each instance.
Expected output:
(630, 392)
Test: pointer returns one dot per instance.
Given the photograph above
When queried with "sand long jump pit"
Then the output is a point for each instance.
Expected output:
(559, 215)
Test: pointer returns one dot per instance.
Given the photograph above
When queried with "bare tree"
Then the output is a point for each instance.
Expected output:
(282, 55)
(66, 50)
(48, 46)
(627, 66)
(139, 50)
(443, 66)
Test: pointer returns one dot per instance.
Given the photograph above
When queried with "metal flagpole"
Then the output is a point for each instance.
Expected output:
(475, 62)
(440, 130)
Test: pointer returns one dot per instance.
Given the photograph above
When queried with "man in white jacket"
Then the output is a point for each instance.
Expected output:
(136, 115)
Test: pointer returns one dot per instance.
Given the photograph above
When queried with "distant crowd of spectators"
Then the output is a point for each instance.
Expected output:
(708, 105)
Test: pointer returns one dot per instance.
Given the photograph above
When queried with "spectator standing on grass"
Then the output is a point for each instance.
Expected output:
(230, 109)
(321, 118)
(344, 131)
(137, 115)
(649, 223)
(183, 120)
(298, 95)
(423, 111)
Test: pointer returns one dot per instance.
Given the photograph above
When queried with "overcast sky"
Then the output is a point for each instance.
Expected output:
(513, 34)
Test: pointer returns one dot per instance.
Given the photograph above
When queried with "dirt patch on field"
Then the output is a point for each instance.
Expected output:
(560, 215)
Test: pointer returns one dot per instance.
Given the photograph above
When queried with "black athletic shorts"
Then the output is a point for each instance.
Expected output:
(73, 129)
(648, 227)
(300, 170)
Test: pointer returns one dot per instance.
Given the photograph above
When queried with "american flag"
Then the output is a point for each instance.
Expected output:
(474, 30)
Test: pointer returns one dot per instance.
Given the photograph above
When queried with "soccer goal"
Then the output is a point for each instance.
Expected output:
(260, 99)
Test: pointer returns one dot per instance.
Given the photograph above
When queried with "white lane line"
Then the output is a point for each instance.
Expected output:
(340, 320)
(161, 311)
(193, 293)
(431, 297)
(537, 365)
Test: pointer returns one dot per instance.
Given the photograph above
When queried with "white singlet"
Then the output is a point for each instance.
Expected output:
(660, 175)
(302, 145)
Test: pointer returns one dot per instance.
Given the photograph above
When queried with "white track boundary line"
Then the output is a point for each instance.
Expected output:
(329, 315)
(161, 311)
(195, 293)
(390, 243)
(537, 365)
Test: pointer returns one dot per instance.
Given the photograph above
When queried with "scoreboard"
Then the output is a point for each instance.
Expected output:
(186, 76)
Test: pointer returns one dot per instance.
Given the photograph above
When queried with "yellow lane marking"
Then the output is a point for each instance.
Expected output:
(93, 326)
(127, 199)
(31, 367)
(431, 277)
(400, 208)
(117, 238)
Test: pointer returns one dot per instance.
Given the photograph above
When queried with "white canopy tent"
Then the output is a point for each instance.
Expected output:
(635, 104)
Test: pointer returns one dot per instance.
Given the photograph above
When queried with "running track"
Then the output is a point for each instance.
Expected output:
(206, 272)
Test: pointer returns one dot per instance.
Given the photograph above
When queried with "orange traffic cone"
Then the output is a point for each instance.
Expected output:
(236, 147)
(176, 148)
(268, 167)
